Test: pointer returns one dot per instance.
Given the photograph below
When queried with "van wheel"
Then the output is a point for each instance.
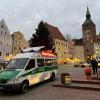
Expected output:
(52, 78)
(24, 87)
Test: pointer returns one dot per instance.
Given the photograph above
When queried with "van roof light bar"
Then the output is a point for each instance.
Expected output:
(33, 49)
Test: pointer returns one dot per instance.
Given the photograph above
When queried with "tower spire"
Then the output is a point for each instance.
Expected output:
(88, 15)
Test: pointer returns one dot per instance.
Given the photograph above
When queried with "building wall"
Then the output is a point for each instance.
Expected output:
(61, 48)
(25, 44)
(5, 41)
(79, 52)
(97, 50)
(70, 48)
(89, 34)
(17, 42)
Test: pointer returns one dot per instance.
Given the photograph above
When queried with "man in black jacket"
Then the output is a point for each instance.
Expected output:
(94, 65)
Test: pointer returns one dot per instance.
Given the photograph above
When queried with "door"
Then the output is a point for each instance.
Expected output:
(30, 72)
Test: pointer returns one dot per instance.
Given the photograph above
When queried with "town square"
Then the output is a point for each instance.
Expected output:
(49, 50)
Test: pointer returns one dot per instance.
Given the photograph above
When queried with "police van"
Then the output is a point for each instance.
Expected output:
(29, 68)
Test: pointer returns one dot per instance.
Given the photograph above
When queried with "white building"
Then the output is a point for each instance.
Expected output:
(5, 41)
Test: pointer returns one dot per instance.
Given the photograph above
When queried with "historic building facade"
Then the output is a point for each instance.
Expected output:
(60, 43)
(5, 41)
(19, 43)
(97, 47)
(79, 49)
(89, 35)
(71, 48)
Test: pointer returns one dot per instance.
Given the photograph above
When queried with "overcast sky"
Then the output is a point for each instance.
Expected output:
(67, 15)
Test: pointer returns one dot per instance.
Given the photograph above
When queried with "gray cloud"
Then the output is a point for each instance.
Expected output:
(67, 15)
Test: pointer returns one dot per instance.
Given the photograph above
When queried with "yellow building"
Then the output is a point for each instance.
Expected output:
(19, 43)
(60, 43)
(61, 48)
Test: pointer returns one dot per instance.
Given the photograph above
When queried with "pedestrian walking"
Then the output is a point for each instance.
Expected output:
(94, 65)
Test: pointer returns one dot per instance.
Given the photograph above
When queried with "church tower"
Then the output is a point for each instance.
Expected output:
(89, 35)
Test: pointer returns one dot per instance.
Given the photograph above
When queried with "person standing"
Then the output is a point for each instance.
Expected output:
(94, 65)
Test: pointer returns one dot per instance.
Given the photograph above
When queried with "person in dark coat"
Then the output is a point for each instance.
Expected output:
(94, 65)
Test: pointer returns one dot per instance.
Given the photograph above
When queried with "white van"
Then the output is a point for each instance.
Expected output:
(27, 69)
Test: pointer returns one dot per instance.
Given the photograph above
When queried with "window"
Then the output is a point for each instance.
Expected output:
(31, 64)
(15, 48)
(48, 62)
(19, 48)
(0, 42)
(17, 63)
(7, 54)
(58, 48)
(0, 53)
(54, 62)
(40, 62)
(16, 41)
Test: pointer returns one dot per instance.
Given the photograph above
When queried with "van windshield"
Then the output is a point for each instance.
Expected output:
(17, 63)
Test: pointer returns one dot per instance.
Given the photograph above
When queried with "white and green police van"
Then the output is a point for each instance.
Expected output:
(28, 68)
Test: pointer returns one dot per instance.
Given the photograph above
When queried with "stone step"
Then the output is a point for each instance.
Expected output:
(86, 81)
(93, 87)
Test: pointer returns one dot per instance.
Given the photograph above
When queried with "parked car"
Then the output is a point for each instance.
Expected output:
(85, 64)
(82, 64)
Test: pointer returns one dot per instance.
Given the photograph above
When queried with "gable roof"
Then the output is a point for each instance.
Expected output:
(55, 32)
(4, 26)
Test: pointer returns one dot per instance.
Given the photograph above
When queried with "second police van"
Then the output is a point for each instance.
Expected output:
(29, 68)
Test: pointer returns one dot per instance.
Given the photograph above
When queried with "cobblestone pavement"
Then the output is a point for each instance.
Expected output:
(45, 90)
